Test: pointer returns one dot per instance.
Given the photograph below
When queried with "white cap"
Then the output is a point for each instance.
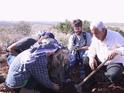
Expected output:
(98, 24)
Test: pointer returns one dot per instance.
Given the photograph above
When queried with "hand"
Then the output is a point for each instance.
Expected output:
(56, 87)
(82, 48)
(50, 53)
(111, 55)
(85, 47)
(78, 88)
(93, 63)
(40, 40)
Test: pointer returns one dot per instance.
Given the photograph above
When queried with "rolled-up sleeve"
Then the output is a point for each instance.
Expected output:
(120, 44)
(92, 48)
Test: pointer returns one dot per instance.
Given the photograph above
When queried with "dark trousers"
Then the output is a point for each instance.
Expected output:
(114, 73)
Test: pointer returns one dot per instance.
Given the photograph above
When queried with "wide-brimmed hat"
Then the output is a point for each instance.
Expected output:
(49, 35)
(41, 33)
(48, 46)
(46, 34)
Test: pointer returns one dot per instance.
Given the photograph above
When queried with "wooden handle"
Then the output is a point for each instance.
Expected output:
(92, 73)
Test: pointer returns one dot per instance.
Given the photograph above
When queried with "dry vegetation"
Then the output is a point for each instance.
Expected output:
(11, 32)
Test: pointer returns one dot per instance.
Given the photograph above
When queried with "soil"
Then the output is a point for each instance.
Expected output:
(100, 87)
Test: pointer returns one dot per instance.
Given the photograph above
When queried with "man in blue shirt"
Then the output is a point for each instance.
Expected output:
(32, 63)
(23, 44)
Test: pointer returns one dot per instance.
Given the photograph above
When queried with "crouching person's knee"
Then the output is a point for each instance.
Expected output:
(114, 78)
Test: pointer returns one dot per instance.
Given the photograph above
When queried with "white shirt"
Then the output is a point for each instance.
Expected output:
(113, 41)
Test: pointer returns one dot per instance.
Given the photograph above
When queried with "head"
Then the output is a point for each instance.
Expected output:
(47, 46)
(45, 35)
(40, 34)
(77, 26)
(49, 35)
(98, 30)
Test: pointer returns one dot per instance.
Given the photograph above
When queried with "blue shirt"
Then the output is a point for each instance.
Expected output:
(28, 65)
(31, 63)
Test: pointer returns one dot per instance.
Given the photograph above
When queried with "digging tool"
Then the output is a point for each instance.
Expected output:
(78, 86)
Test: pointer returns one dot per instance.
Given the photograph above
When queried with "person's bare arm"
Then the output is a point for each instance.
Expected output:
(82, 48)
(12, 48)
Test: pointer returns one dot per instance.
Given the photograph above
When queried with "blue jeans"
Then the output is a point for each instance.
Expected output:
(10, 59)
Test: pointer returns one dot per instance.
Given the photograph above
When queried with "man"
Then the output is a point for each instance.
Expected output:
(32, 64)
(23, 44)
(78, 43)
(79, 39)
(107, 45)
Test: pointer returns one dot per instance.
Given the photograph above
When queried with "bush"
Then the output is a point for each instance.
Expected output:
(116, 29)
(23, 28)
(66, 26)
(86, 25)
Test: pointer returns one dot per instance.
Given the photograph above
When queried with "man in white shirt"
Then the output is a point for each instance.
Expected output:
(107, 45)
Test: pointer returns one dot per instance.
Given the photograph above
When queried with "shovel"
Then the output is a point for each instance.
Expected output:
(78, 86)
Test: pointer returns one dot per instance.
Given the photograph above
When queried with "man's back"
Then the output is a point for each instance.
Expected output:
(24, 44)
(19, 47)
